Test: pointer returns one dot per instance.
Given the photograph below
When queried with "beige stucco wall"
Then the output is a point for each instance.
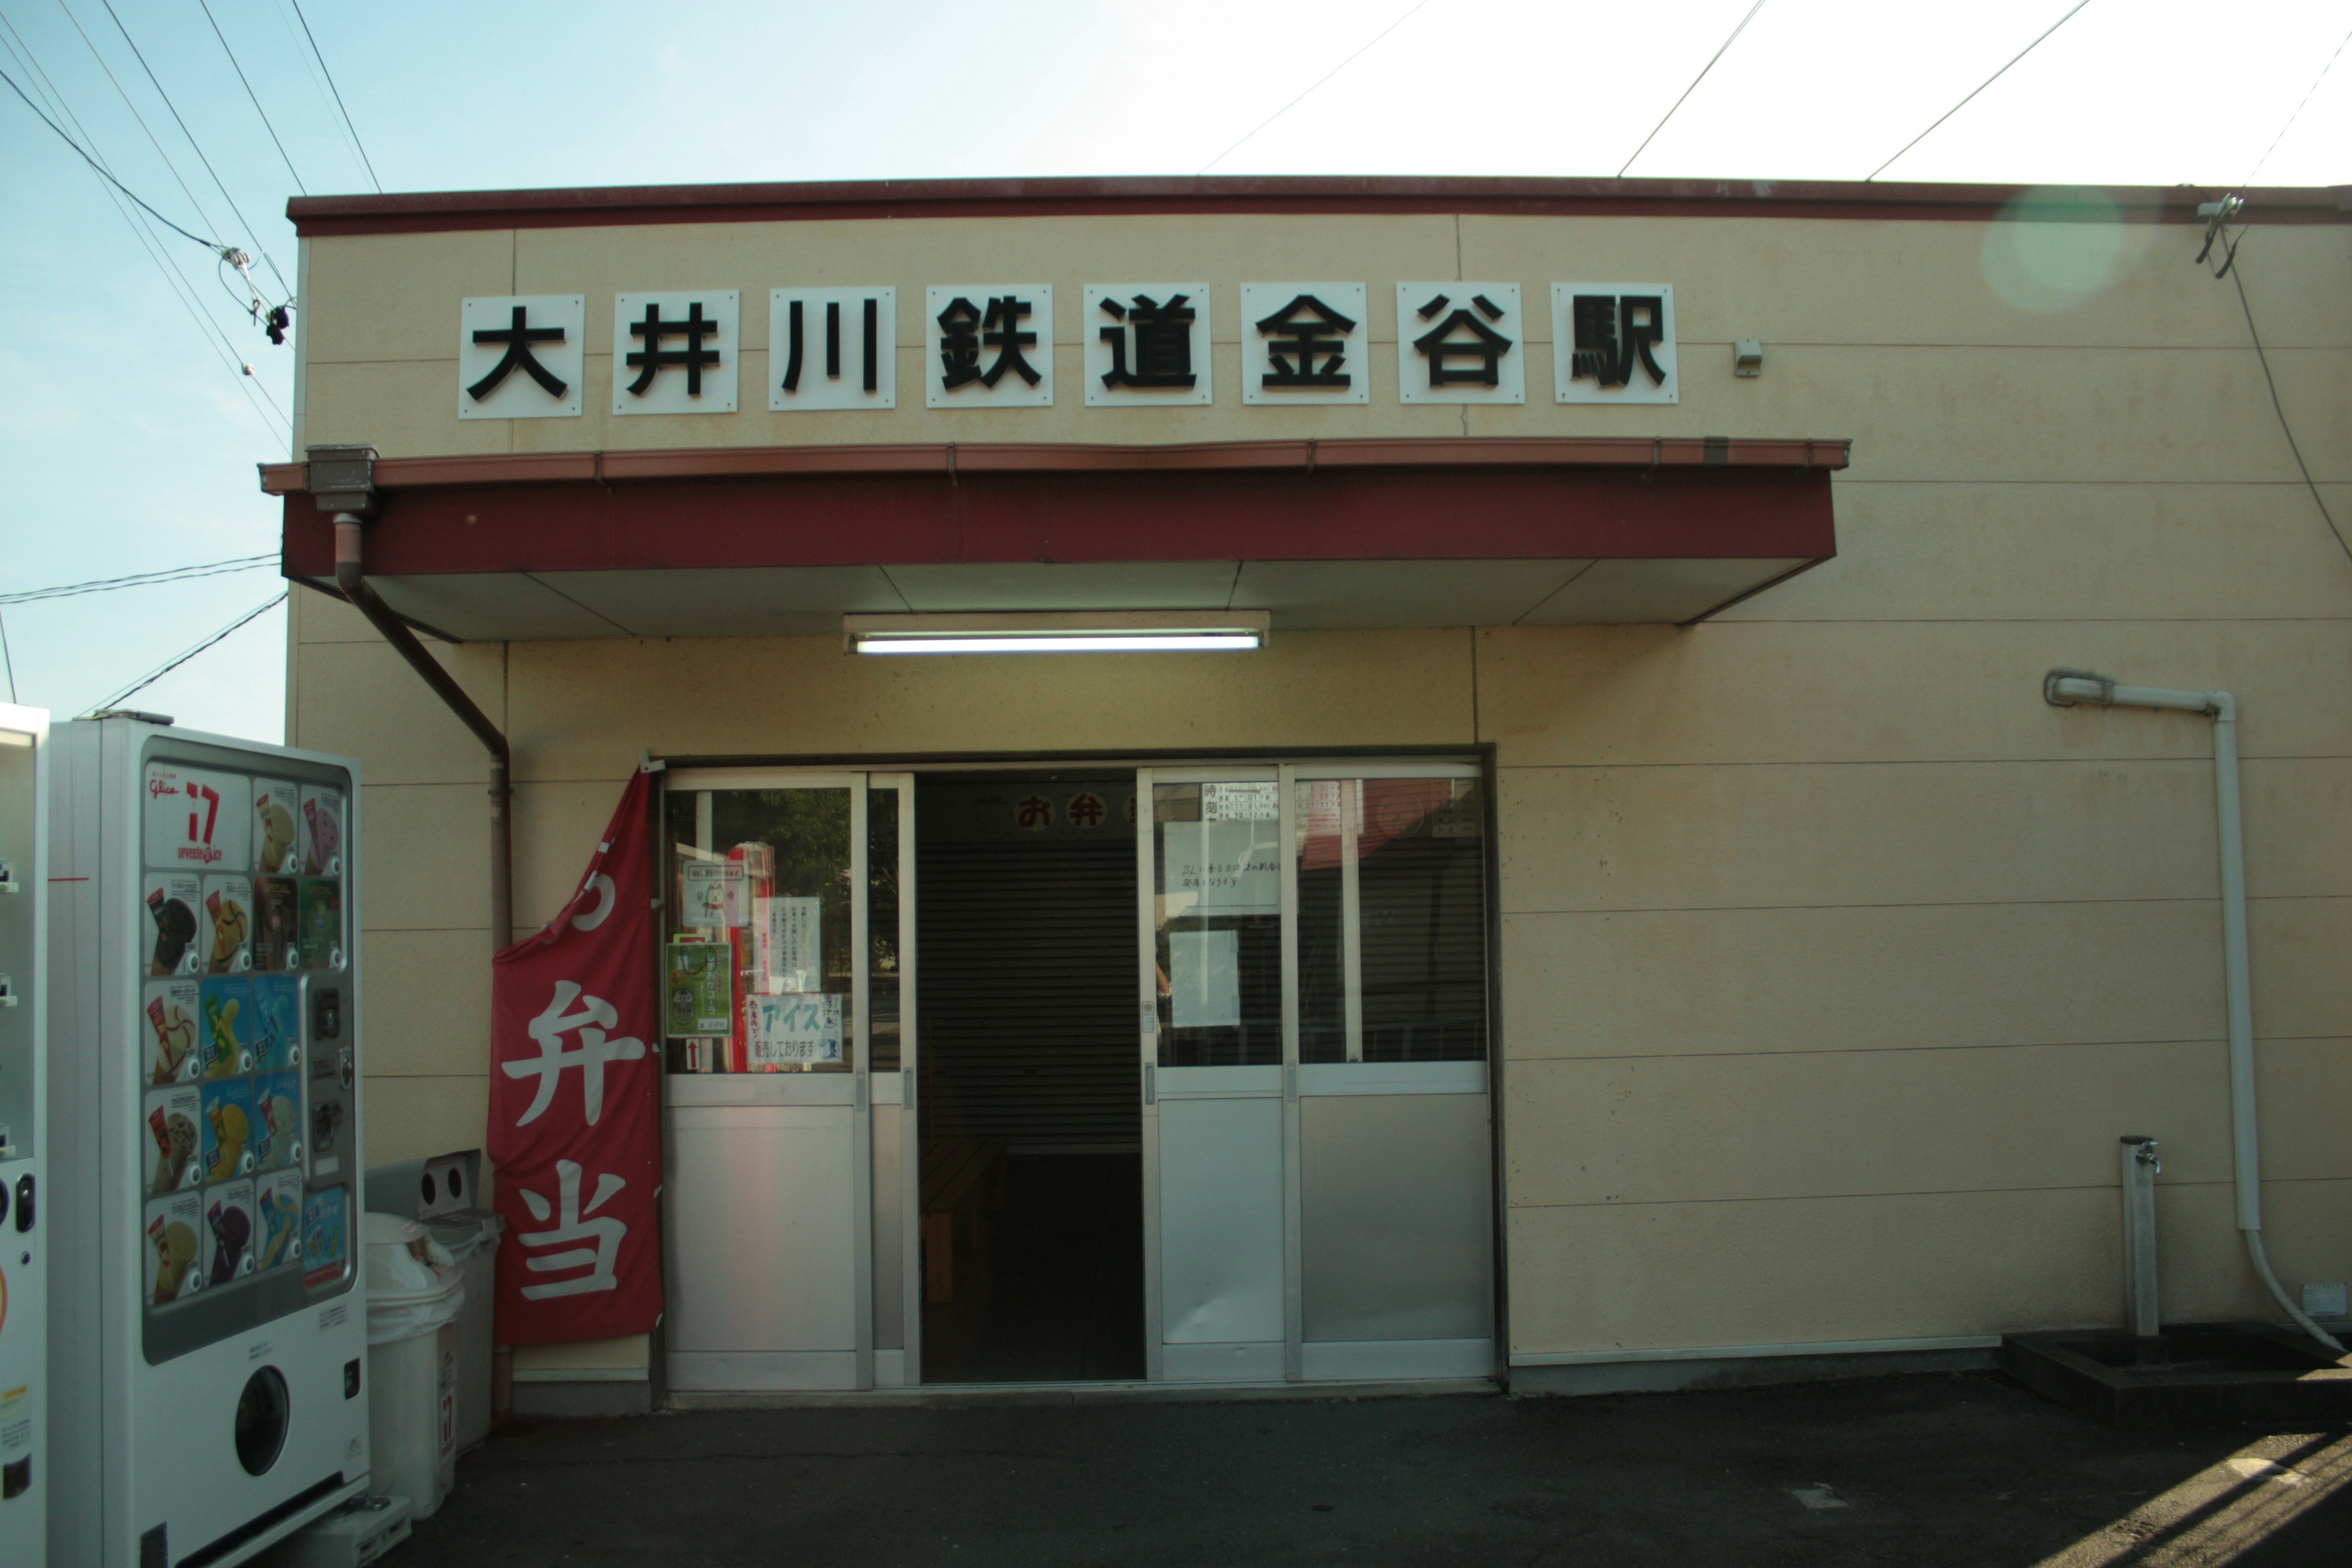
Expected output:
(1833, 961)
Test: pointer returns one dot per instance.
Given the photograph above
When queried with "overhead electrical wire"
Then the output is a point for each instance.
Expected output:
(1978, 88)
(143, 228)
(1692, 88)
(142, 579)
(338, 91)
(152, 676)
(251, 232)
(1295, 102)
(107, 175)
(252, 97)
(2291, 119)
(124, 94)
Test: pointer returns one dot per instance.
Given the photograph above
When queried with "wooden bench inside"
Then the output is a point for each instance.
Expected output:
(960, 1174)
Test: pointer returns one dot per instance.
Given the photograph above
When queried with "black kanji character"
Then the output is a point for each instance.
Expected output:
(1001, 330)
(653, 358)
(1612, 333)
(1484, 345)
(964, 331)
(517, 339)
(873, 314)
(1309, 346)
(1163, 343)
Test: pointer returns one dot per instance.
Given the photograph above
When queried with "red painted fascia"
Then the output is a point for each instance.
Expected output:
(623, 206)
(1329, 513)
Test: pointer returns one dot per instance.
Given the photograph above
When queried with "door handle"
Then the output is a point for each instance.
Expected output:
(1150, 1097)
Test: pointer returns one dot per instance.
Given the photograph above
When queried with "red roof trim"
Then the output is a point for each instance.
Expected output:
(946, 460)
(426, 212)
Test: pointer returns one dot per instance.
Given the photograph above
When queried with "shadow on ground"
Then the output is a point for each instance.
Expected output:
(1930, 1470)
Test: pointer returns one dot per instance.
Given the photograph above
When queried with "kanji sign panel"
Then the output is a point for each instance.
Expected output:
(1460, 343)
(520, 356)
(988, 345)
(675, 352)
(576, 1104)
(1613, 342)
(1304, 343)
(832, 348)
(1146, 344)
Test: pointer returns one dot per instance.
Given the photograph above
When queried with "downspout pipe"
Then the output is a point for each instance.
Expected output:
(351, 576)
(2067, 689)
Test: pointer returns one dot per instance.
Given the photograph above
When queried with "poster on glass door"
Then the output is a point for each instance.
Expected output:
(791, 946)
(1222, 867)
(793, 1031)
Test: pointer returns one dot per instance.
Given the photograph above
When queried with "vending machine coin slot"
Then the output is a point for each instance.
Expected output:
(326, 1013)
(24, 1203)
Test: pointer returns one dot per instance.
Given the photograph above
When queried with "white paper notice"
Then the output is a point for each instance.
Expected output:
(792, 932)
(1204, 980)
(716, 894)
(1222, 867)
(793, 1031)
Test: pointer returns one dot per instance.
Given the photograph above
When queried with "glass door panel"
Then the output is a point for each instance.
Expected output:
(1395, 1177)
(767, 970)
(1212, 883)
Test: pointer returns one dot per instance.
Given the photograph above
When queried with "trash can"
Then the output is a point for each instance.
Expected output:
(415, 1296)
(443, 1191)
(471, 1239)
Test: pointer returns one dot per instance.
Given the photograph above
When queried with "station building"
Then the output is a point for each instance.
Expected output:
(1593, 897)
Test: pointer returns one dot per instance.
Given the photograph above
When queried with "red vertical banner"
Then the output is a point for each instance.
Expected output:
(575, 1103)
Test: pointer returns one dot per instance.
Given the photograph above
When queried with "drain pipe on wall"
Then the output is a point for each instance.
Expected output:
(2067, 688)
(342, 482)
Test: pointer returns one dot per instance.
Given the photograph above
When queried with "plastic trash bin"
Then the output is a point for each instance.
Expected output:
(445, 1191)
(415, 1296)
(471, 1239)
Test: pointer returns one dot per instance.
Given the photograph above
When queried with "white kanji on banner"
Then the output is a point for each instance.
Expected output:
(573, 1224)
(596, 1048)
(575, 1103)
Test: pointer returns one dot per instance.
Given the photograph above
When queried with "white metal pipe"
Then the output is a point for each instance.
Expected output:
(2064, 689)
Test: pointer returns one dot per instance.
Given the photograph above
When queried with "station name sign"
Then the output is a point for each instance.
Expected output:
(991, 345)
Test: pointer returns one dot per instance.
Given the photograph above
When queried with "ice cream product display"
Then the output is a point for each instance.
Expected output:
(228, 924)
(229, 1129)
(321, 831)
(277, 805)
(177, 940)
(174, 1242)
(275, 939)
(276, 1023)
(228, 1234)
(276, 1119)
(278, 1208)
(322, 923)
(170, 1015)
(226, 1038)
(326, 1237)
(242, 889)
(174, 1130)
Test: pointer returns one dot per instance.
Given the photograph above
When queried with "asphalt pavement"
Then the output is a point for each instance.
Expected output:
(1955, 1470)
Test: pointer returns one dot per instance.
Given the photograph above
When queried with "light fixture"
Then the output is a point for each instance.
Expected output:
(1066, 631)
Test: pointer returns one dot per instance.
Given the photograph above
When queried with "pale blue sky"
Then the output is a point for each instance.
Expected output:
(129, 437)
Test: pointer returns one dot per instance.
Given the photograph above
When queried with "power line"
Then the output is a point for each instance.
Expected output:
(1295, 102)
(339, 96)
(2237, 275)
(8, 659)
(152, 139)
(2265, 158)
(1692, 88)
(252, 233)
(143, 230)
(1980, 88)
(294, 41)
(251, 96)
(213, 246)
(142, 579)
(153, 676)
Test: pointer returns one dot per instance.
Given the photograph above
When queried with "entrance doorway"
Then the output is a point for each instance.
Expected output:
(1030, 1116)
(1080, 1073)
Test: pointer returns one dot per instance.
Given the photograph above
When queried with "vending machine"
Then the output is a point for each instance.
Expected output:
(208, 1330)
(23, 1135)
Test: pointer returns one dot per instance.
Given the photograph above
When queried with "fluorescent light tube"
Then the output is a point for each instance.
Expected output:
(1129, 642)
